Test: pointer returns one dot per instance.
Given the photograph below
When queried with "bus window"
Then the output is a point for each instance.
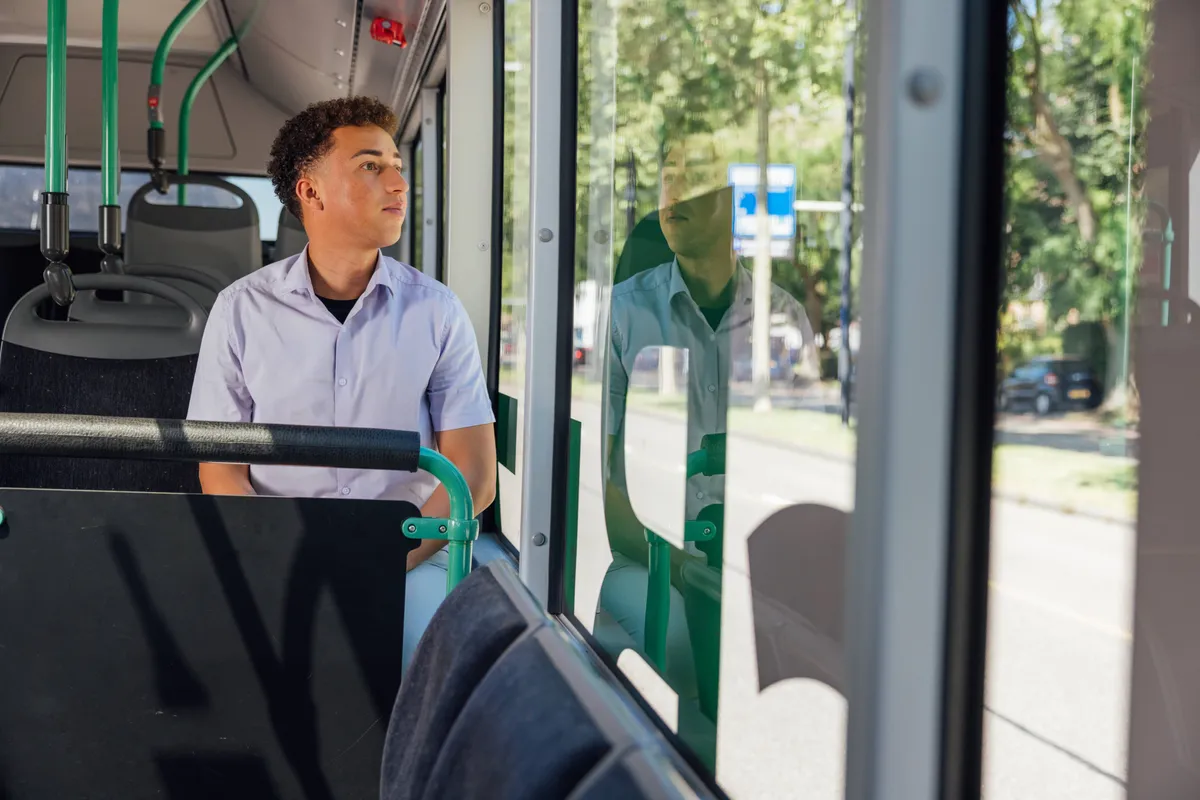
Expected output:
(21, 188)
(707, 397)
(514, 279)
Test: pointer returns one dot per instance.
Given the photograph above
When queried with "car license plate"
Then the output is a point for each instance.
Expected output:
(1079, 394)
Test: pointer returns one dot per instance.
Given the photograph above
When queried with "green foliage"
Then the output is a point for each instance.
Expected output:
(1084, 61)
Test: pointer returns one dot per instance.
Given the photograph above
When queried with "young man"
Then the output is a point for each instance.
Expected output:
(342, 335)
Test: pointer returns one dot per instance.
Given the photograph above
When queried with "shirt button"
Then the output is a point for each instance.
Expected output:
(341, 381)
(699, 495)
(345, 490)
(712, 387)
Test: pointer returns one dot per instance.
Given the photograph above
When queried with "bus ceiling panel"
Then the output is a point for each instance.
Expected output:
(425, 36)
(298, 51)
(231, 131)
(378, 65)
(142, 25)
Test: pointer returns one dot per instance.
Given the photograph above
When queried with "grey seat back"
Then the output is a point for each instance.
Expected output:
(291, 238)
(224, 242)
(120, 370)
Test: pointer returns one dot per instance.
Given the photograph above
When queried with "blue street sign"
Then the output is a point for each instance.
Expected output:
(781, 199)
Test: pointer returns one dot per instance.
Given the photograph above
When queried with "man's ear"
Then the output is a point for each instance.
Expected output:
(309, 194)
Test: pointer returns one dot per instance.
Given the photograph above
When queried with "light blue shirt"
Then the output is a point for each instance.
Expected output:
(654, 309)
(405, 359)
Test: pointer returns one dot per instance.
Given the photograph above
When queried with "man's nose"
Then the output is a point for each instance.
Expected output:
(398, 185)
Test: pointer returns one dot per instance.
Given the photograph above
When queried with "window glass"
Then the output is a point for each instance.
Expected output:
(21, 188)
(515, 262)
(716, 476)
(444, 190)
(1100, 166)
(416, 194)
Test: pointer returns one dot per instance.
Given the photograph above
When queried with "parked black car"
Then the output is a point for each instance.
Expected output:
(1051, 383)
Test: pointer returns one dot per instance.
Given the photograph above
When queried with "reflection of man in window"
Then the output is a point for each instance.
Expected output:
(701, 302)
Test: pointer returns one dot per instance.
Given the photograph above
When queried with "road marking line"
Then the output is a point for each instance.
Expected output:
(1065, 613)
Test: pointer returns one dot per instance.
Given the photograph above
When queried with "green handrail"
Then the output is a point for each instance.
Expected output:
(110, 164)
(193, 91)
(156, 142)
(189, 98)
(460, 529)
(160, 58)
(56, 96)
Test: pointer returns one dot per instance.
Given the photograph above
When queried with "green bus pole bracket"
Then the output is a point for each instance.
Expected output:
(461, 529)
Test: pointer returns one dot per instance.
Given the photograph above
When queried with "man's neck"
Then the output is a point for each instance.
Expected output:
(709, 278)
(340, 274)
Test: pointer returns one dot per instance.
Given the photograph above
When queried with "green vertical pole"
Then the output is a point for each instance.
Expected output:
(189, 99)
(56, 96)
(110, 165)
(658, 600)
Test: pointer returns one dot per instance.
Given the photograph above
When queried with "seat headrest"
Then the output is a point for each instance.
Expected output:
(291, 238)
(227, 240)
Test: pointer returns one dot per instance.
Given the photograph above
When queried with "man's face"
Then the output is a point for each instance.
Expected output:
(694, 203)
(361, 191)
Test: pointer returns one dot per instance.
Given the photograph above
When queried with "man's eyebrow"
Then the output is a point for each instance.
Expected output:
(376, 153)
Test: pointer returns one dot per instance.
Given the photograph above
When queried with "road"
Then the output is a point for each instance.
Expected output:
(1059, 648)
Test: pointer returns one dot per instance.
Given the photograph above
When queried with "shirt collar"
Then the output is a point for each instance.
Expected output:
(297, 278)
(743, 294)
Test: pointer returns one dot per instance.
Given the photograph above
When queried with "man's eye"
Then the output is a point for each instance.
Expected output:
(370, 165)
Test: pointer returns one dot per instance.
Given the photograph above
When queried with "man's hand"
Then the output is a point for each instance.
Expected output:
(226, 479)
(473, 451)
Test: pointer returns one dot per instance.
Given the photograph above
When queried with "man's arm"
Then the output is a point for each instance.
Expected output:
(473, 451)
(219, 394)
(226, 479)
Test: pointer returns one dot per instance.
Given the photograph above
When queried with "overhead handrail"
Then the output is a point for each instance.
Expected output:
(193, 90)
(109, 231)
(54, 220)
(156, 135)
(78, 436)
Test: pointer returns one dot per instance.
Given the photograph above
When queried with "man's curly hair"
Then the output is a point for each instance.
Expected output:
(307, 137)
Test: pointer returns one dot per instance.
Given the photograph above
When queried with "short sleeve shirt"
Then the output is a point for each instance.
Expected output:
(405, 358)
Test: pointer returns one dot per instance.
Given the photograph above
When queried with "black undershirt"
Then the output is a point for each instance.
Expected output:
(339, 308)
(714, 315)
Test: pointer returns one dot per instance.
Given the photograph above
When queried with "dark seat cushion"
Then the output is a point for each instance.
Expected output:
(523, 733)
(32, 381)
(476, 623)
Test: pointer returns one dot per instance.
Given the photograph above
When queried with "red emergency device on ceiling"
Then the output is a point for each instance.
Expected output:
(388, 31)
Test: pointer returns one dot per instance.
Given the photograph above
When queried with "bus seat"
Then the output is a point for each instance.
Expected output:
(475, 623)
(531, 716)
(222, 241)
(197, 646)
(61, 367)
(291, 238)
